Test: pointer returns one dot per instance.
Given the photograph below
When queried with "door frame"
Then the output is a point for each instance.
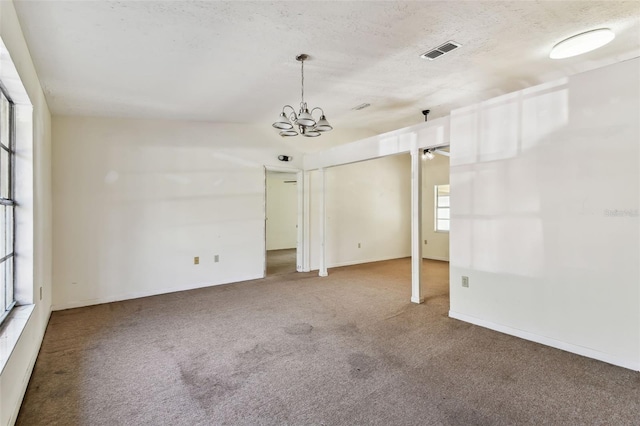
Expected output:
(300, 220)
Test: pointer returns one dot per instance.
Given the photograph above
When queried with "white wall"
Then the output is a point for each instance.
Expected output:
(34, 222)
(434, 172)
(282, 211)
(367, 203)
(545, 191)
(137, 200)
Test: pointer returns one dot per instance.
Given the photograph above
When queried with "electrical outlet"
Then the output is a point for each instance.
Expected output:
(465, 282)
(196, 260)
(216, 258)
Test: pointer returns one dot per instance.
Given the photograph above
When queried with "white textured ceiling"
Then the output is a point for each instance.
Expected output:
(234, 61)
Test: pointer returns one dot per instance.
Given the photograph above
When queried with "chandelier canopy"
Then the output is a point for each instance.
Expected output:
(303, 122)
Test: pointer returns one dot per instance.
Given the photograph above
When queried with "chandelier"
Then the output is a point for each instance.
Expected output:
(303, 122)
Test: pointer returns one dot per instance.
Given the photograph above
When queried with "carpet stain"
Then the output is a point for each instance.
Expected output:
(466, 416)
(299, 329)
(257, 353)
(349, 328)
(59, 393)
(204, 388)
(166, 347)
(362, 366)
(394, 361)
(398, 313)
(254, 360)
(507, 377)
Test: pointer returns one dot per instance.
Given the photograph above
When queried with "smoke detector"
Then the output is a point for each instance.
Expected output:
(440, 50)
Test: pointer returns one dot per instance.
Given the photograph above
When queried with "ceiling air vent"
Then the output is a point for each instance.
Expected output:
(440, 50)
(361, 106)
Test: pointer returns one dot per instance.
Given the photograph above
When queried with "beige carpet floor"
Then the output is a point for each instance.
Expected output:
(296, 349)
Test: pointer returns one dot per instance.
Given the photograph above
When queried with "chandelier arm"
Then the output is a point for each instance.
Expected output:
(321, 111)
(288, 106)
(291, 116)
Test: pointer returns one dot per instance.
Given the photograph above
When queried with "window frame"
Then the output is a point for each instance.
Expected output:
(438, 207)
(8, 202)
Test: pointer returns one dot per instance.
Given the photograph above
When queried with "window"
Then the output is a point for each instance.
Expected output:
(7, 206)
(442, 208)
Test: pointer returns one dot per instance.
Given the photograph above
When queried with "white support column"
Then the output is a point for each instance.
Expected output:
(323, 226)
(306, 259)
(416, 226)
(300, 226)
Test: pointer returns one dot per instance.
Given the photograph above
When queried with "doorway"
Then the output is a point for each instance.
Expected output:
(435, 223)
(282, 238)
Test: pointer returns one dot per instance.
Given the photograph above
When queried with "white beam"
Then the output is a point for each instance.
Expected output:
(300, 222)
(323, 226)
(416, 226)
(306, 260)
(430, 134)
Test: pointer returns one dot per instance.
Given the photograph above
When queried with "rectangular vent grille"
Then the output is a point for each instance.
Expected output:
(361, 106)
(433, 54)
(440, 50)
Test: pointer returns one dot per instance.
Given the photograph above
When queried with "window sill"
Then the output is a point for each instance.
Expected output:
(11, 331)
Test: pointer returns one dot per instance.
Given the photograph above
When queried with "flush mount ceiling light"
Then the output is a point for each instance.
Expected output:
(582, 43)
(303, 122)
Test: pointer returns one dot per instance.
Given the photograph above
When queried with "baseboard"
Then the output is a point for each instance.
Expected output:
(358, 262)
(579, 350)
(138, 295)
(442, 259)
(29, 371)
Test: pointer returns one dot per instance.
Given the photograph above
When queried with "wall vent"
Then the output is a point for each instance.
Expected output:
(440, 50)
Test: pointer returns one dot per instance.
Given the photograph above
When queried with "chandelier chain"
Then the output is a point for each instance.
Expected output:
(302, 91)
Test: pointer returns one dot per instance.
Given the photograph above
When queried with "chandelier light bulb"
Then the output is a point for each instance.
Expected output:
(288, 133)
(283, 122)
(323, 125)
(305, 119)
